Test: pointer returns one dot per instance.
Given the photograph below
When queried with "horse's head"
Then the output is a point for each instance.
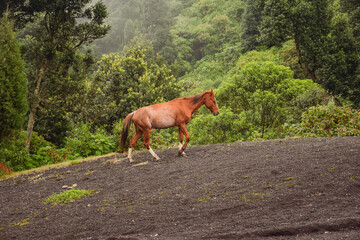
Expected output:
(210, 103)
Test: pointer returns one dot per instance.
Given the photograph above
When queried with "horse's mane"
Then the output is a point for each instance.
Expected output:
(196, 98)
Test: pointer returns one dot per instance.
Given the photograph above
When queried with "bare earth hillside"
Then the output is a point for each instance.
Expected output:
(283, 189)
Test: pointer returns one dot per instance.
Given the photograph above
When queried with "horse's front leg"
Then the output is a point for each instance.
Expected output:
(182, 128)
(147, 143)
(181, 138)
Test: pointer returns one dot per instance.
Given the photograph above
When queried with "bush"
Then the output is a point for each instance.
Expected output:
(267, 93)
(49, 155)
(226, 127)
(38, 142)
(83, 143)
(13, 152)
(326, 121)
(313, 96)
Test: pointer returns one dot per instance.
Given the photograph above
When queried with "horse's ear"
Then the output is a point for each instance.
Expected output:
(211, 91)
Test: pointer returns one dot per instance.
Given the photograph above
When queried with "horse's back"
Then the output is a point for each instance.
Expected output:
(158, 116)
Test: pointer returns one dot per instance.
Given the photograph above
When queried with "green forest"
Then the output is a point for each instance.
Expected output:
(70, 71)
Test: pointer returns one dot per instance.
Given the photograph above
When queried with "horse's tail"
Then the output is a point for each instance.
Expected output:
(125, 131)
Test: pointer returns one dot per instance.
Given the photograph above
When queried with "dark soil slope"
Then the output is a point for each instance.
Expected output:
(283, 189)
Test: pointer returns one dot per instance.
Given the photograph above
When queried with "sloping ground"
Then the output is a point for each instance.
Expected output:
(283, 189)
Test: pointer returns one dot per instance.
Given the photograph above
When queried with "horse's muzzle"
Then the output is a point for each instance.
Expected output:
(216, 113)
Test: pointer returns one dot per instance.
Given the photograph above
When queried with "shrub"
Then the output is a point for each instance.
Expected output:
(15, 155)
(325, 121)
(13, 152)
(41, 152)
(313, 96)
(49, 155)
(267, 93)
(82, 142)
(226, 127)
(38, 142)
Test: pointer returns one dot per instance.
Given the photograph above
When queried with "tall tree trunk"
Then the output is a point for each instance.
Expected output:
(34, 105)
(309, 73)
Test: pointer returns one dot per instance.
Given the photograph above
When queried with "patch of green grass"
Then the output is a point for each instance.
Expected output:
(204, 199)
(23, 222)
(68, 196)
(75, 162)
(288, 179)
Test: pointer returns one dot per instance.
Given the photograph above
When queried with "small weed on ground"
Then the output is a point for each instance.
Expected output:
(74, 162)
(22, 223)
(68, 196)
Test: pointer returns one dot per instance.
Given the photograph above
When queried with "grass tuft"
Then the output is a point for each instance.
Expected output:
(68, 196)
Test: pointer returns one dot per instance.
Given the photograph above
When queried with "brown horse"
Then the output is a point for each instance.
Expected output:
(164, 115)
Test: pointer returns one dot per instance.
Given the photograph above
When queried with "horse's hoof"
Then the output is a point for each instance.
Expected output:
(182, 154)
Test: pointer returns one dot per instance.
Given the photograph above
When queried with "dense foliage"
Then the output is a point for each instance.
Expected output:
(325, 39)
(51, 43)
(129, 82)
(13, 83)
(277, 68)
(327, 121)
(257, 102)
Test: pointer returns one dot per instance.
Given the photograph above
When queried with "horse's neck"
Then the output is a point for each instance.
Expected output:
(195, 106)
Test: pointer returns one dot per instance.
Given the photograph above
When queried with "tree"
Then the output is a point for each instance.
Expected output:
(325, 40)
(156, 20)
(64, 96)
(352, 9)
(132, 81)
(311, 21)
(275, 24)
(10, 7)
(150, 18)
(264, 94)
(339, 71)
(60, 29)
(251, 24)
(13, 82)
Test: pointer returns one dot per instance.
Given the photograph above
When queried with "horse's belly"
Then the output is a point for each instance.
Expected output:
(162, 122)
(161, 116)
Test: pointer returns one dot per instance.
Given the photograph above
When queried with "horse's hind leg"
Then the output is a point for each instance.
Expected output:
(181, 138)
(182, 128)
(133, 140)
(147, 143)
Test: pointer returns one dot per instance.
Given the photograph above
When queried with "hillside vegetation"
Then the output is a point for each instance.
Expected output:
(70, 72)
